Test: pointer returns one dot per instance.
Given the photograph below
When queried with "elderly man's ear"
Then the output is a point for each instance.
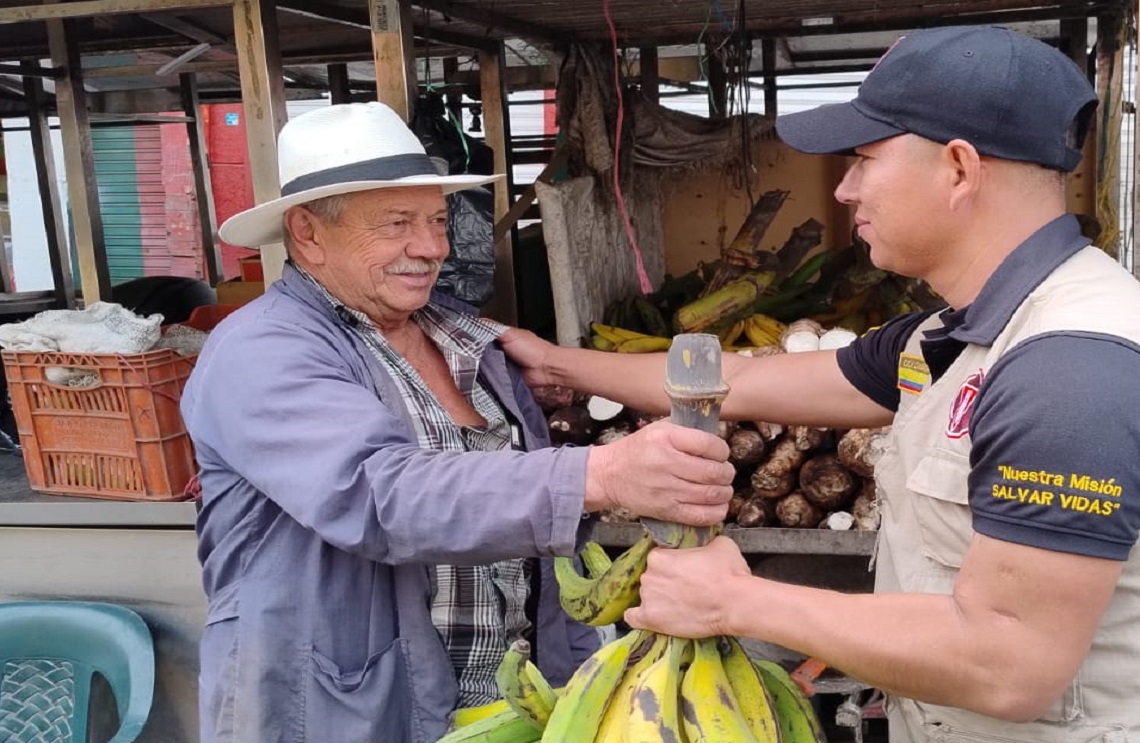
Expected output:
(305, 231)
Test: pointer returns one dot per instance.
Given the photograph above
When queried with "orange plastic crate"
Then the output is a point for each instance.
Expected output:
(122, 438)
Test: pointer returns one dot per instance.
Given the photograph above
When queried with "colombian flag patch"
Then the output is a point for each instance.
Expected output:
(914, 374)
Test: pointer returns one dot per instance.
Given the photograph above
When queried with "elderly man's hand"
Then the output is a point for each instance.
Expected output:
(684, 592)
(663, 471)
(530, 352)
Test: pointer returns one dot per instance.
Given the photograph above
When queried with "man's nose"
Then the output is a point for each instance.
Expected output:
(846, 191)
(429, 241)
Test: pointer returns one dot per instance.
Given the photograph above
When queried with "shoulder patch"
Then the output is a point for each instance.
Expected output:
(914, 374)
(962, 409)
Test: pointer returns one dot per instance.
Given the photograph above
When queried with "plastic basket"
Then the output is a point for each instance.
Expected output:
(120, 438)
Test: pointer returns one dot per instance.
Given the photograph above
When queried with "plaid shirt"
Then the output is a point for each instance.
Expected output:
(477, 609)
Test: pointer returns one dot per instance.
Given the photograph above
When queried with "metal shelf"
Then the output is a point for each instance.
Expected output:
(764, 540)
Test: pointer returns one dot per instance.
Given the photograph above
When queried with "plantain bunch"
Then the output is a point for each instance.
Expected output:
(643, 687)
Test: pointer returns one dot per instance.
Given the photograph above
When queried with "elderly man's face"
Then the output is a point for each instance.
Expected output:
(384, 253)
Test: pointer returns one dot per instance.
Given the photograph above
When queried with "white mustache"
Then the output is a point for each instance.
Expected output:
(422, 266)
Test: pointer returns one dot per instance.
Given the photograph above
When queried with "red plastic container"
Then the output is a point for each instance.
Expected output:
(120, 438)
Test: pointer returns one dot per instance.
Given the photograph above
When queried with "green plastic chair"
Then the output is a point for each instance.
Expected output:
(49, 653)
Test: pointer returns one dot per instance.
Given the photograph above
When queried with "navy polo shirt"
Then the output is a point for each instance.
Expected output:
(1061, 404)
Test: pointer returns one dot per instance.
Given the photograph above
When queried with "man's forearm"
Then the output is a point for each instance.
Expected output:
(913, 645)
(636, 380)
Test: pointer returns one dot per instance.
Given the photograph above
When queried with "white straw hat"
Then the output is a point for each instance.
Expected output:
(341, 149)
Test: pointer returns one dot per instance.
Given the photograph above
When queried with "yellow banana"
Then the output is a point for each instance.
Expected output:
(588, 692)
(615, 334)
(708, 709)
(464, 716)
(798, 721)
(604, 599)
(751, 697)
(771, 325)
(523, 686)
(601, 343)
(760, 332)
(729, 335)
(655, 713)
(595, 559)
(645, 344)
(503, 727)
(613, 724)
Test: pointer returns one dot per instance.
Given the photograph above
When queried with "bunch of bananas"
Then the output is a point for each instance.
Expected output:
(757, 329)
(643, 687)
(613, 338)
(648, 688)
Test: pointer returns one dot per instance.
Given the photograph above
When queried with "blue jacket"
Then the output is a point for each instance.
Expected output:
(321, 519)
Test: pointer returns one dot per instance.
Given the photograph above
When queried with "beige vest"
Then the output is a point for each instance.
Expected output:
(926, 523)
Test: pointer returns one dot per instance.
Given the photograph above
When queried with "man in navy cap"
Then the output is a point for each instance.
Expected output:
(1007, 602)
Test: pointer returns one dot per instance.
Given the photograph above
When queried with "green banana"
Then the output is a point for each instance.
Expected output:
(751, 696)
(523, 686)
(603, 600)
(655, 713)
(595, 559)
(612, 727)
(464, 716)
(709, 710)
(504, 727)
(587, 694)
(798, 721)
(807, 269)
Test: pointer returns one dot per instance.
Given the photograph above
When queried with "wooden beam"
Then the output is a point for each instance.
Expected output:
(79, 164)
(82, 8)
(263, 104)
(485, 17)
(650, 74)
(203, 189)
(392, 55)
(21, 70)
(503, 305)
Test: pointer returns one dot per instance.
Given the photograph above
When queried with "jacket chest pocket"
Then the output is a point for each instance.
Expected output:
(941, 507)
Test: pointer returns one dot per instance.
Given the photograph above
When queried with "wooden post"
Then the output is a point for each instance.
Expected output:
(718, 87)
(263, 103)
(650, 73)
(1099, 171)
(5, 272)
(768, 64)
(393, 54)
(339, 91)
(59, 252)
(79, 163)
(203, 190)
(1136, 161)
(503, 305)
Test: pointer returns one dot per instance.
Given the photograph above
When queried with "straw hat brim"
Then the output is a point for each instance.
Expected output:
(261, 225)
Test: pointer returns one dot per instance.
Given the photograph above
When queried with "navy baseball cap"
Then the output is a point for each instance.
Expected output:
(1010, 96)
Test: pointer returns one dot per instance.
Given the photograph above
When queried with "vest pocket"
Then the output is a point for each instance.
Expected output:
(369, 703)
(942, 510)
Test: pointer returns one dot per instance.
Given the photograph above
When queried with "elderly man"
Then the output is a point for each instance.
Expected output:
(377, 482)
(1007, 604)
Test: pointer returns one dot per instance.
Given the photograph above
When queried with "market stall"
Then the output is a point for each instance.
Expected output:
(680, 212)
